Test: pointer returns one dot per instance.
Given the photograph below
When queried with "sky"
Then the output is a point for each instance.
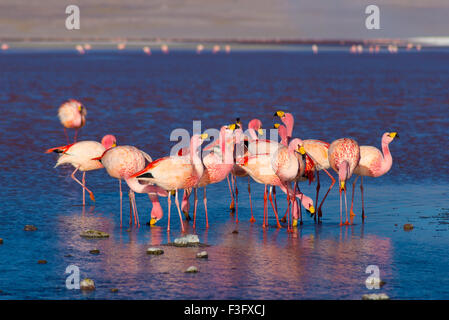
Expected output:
(230, 19)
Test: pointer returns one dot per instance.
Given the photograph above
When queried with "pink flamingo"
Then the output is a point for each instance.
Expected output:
(316, 156)
(175, 172)
(254, 128)
(80, 156)
(120, 163)
(344, 157)
(217, 165)
(72, 115)
(373, 163)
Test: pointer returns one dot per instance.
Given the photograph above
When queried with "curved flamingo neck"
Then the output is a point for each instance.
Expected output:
(135, 186)
(289, 121)
(387, 161)
(194, 157)
(343, 171)
(254, 125)
(282, 131)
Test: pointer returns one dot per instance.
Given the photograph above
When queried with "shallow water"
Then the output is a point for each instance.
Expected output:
(142, 99)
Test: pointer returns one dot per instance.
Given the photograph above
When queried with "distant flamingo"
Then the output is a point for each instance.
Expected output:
(72, 115)
(344, 157)
(217, 165)
(80, 156)
(175, 172)
(120, 163)
(373, 163)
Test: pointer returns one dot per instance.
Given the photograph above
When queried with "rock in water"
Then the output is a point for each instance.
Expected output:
(190, 239)
(202, 255)
(408, 227)
(94, 234)
(1, 241)
(87, 285)
(192, 269)
(114, 290)
(155, 251)
(375, 296)
(94, 251)
(42, 261)
(29, 227)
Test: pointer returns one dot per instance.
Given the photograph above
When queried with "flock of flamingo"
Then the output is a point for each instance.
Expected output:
(233, 154)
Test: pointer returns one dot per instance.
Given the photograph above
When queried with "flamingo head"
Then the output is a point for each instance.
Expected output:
(79, 106)
(109, 141)
(343, 174)
(256, 125)
(287, 119)
(389, 136)
(307, 203)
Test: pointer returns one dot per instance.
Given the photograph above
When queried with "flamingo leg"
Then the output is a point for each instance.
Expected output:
(274, 209)
(320, 214)
(66, 135)
(131, 207)
(82, 185)
(298, 205)
(317, 191)
(286, 213)
(121, 194)
(185, 205)
(341, 218)
(84, 191)
(179, 210)
(236, 203)
(274, 197)
(265, 208)
(136, 214)
(363, 205)
(351, 211)
(195, 205)
(346, 209)
(205, 207)
(250, 203)
(231, 206)
(169, 208)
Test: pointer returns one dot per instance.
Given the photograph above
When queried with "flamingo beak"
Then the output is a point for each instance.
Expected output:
(114, 145)
(204, 136)
(260, 131)
(394, 135)
(232, 126)
(342, 185)
(153, 221)
(312, 209)
(276, 125)
(279, 114)
(301, 150)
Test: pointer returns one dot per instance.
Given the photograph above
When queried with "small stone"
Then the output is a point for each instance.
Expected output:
(190, 239)
(29, 227)
(1, 241)
(114, 290)
(42, 261)
(94, 234)
(235, 232)
(192, 269)
(202, 255)
(155, 251)
(375, 296)
(68, 255)
(87, 285)
(408, 227)
(94, 251)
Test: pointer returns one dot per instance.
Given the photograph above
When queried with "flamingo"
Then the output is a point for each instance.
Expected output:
(344, 157)
(175, 172)
(217, 165)
(80, 156)
(316, 155)
(120, 163)
(373, 163)
(254, 128)
(72, 115)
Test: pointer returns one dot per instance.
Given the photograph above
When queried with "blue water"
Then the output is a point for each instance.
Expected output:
(142, 99)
